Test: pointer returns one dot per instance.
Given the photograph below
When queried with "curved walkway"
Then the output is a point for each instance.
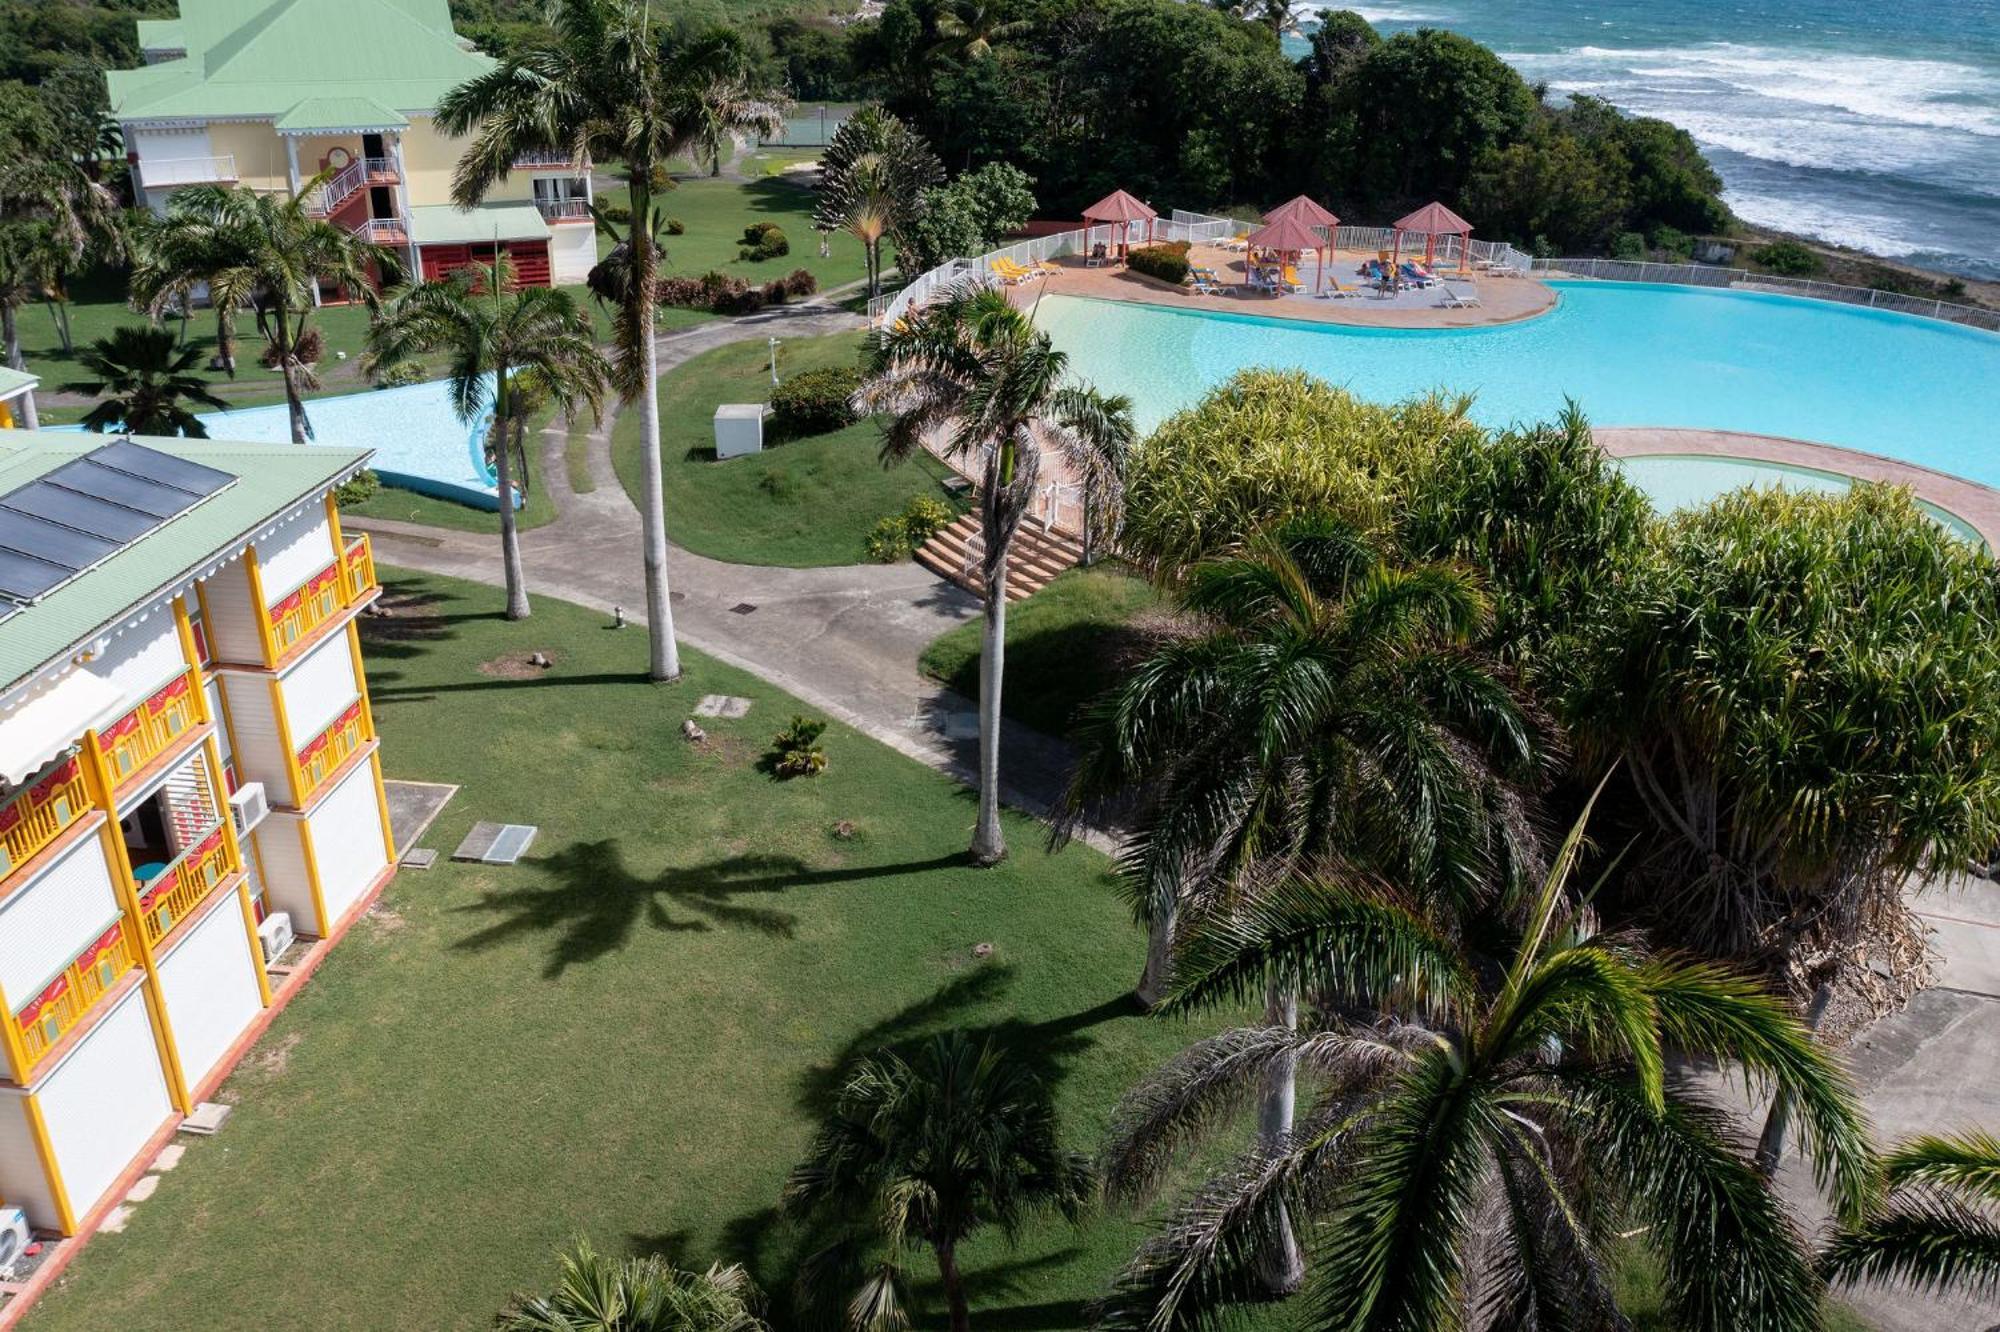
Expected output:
(844, 639)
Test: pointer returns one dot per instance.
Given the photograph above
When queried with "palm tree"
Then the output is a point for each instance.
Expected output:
(971, 377)
(206, 240)
(930, 1150)
(1937, 1229)
(147, 377)
(1479, 1134)
(495, 341)
(51, 214)
(596, 1294)
(611, 87)
(971, 28)
(872, 179)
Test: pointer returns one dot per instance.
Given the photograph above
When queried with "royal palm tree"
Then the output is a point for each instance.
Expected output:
(206, 240)
(146, 377)
(495, 339)
(51, 214)
(596, 1294)
(928, 1151)
(1937, 1229)
(1478, 1135)
(969, 376)
(612, 86)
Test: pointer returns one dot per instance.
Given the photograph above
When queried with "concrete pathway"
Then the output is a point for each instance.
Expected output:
(845, 639)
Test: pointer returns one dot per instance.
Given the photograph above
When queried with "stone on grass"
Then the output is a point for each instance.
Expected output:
(721, 705)
(143, 1188)
(692, 733)
(207, 1119)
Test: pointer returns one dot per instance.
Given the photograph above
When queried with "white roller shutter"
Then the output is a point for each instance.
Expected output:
(299, 550)
(319, 688)
(347, 841)
(140, 660)
(45, 925)
(104, 1101)
(211, 987)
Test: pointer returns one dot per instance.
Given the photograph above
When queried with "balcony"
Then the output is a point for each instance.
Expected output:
(159, 173)
(324, 753)
(548, 159)
(175, 891)
(38, 815)
(382, 231)
(564, 210)
(147, 731)
(65, 1000)
(324, 595)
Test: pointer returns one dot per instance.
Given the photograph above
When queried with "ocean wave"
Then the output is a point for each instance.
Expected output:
(1883, 234)
(1373, 13)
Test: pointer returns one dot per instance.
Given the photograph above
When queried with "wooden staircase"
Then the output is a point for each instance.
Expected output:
(1036, 558)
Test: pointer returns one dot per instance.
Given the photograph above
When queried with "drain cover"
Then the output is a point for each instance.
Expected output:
(742, 608)
(495, 843)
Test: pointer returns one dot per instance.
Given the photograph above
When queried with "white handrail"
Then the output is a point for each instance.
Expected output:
(1708, 275)
(161, 171)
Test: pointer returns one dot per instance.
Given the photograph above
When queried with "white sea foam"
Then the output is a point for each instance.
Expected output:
(1387, 13)
(1876, 233)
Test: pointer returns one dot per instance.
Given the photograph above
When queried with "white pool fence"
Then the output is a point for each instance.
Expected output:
(1736, 279)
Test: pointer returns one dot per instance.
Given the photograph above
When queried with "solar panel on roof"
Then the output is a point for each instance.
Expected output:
(152, 465)
(24, 579)
(116, 487)
(27, 535)
(94, 517)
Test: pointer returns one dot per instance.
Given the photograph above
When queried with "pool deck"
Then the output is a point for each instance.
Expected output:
(1503, 300)
(1976, 504)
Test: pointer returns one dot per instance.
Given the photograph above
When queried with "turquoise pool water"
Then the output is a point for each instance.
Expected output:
(1631, 354)
(1683, 480)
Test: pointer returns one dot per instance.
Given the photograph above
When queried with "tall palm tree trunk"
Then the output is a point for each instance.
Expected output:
(1284, 1267)
(665, 660)
(510, 532)
(1159, 955)
(988, 844)
(10, 336)
(295, 406)
(225, 337)
(954, 1288)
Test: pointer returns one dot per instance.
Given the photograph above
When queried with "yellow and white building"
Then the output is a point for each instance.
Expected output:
(189, 777)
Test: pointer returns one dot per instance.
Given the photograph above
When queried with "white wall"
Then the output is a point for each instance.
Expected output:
(46, 924)
(286, 887)
(319, 688)
(142, 658)
(300, 549)
(210, 983)
(260, 750)
(23, 1181)
(106, 1098)
(572, 252)
(347, 840)
(232, 615)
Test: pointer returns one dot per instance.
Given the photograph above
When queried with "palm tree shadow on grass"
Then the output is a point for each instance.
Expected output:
(591, 901)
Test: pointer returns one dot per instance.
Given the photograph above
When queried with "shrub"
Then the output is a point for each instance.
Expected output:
(800, 283)
(813, 402)
(617, 214)
(774, 292)
(763, 240)
(747, 301)
(889, 540)
(1788, 258)
(1628, 245)
(797, 749)
(360, 487)
(690, 292)
(675, 227)
(308, 347)
(1167, 262)
(401, 375)
(1673, 242)
(924, 517)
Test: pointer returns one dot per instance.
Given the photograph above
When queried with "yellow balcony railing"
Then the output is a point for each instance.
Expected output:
(62, 1004)
(324, 595)
(144, 733)
(324, 753)
(39, 814)
(176, 891)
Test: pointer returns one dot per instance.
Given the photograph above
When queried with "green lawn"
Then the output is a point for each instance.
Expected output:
(715, 212)
(410, 507)
(806, 502)
(1065, 645)
(627, 1035)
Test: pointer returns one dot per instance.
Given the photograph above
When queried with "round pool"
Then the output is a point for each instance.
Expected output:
(1630, 354)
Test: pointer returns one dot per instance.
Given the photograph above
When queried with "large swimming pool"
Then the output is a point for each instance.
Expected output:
(1631, 354)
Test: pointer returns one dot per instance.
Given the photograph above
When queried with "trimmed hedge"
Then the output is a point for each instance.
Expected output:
(1167, 261)
(813, 402)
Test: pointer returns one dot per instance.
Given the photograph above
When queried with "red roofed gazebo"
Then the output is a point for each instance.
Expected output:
(1121, 210)
(1313, 214)
(1292, 234)
(1430, 222)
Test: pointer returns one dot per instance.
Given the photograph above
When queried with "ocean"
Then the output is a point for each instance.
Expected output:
(1862, 123)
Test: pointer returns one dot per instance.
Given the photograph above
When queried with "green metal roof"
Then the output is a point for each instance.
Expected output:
(271, 479)
(340, 113)
(442, 224)
(13, 381)
(262, 59)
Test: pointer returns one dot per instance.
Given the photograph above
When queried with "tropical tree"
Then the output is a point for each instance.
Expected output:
(613, 87)
(928, 1150)
(509, 350)
(597, 1294)
(146, 377)
(1937, 1229)
(206, 240)
(969, 29)
(872, 179)
(969, 376)
(1481, 1131)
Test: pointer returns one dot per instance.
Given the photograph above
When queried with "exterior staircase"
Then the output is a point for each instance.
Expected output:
(1037, 556)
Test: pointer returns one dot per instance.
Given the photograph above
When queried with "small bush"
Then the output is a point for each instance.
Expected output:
(1788, 258)
(774, 292)
(889, 541)
(813, 402)
(924, 517)
(1673, 242)
(360, 487)
(1628, 245)
(690, 292)
(308, 348)
(675, 227)
(800, 283)
(401, 375)
(617, 214)
(797, 749)
(748, 301)
(763, 240)
(1167, 262)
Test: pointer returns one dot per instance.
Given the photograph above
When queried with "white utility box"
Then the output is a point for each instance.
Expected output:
(739, 428)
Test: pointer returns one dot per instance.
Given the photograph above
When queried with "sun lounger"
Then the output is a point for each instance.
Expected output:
(1454, 299)
(1011, 272)
(1208, 285)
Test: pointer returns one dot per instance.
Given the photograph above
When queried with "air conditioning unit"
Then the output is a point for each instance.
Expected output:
(14, 1240)
(276, 935)
(247, 806)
